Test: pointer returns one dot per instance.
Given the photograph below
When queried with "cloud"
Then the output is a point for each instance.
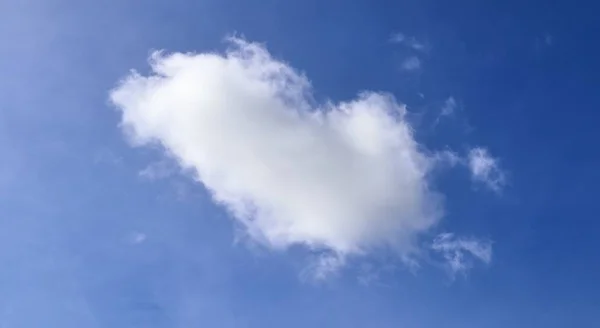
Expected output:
(137, 237)
(368, 275)
(460, 253)
(449, 107)
(158, 170)
(411, 42)
(322, 267)
(485, 169)
(447, 158)
(339, 178)
(397, 37)
(411, 63)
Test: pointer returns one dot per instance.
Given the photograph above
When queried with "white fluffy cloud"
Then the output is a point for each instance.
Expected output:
(460, 253)
(485, 169)
(345, 177)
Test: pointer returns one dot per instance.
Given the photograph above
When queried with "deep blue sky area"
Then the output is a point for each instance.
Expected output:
(86, 242)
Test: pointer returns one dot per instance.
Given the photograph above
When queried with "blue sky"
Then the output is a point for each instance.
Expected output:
(100, 228)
